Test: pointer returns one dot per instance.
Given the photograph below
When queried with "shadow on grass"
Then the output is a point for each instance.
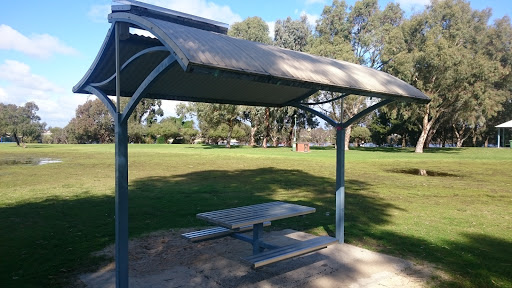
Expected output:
(407, 150)
(44, 243)
(208, 146)
(478, 261)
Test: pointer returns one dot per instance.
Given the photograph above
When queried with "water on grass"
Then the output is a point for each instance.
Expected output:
(28, 161)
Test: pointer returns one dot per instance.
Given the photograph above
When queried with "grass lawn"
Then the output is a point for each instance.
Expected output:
(53, 216)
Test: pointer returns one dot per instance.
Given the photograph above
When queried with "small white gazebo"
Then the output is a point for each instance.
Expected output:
(507, 124)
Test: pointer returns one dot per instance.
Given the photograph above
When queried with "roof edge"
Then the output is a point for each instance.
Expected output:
(148, 10)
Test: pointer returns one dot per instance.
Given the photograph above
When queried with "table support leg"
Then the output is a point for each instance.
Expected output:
(257, 232)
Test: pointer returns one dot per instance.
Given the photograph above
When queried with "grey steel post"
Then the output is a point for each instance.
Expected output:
(121, 202)
(340, 183)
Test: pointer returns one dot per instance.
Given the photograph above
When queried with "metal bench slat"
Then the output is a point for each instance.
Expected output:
(209, 233)
(286, 252)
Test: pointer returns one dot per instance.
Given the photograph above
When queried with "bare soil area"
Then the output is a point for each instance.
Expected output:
(164, 259)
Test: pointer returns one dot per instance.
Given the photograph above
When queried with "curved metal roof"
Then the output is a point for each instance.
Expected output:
(212, 67)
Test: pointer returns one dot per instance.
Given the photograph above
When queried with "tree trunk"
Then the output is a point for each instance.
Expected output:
(486, 143)
(253, 131)
(267, 127)
(348, 130)
(404, 140)
(230, 131)
(425, 128)
(16, 138)
(290, 137)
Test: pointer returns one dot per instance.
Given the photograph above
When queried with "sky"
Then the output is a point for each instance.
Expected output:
(47, 46)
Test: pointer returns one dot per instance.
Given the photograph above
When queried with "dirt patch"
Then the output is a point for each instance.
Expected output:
(164, 259)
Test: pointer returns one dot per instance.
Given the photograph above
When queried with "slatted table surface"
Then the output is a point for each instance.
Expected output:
(248, 215)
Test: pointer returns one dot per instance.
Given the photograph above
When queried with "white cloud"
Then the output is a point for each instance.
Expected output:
(38, 45)
(311, 18)
(271, 29)
(56, 105)
(201, 8)
(3, 96)
(412, 5)
(20, 75)
(169, 107)
(99, 13)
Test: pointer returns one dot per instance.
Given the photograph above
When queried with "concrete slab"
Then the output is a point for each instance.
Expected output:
(163, 259)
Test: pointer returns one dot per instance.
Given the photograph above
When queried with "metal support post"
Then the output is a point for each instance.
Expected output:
(121, 202)
(256, 235)
(340, 183)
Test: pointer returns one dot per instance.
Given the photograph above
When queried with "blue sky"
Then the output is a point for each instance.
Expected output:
(47, 46)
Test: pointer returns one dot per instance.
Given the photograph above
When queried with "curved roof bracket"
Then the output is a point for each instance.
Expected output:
(366, 111)
(317, 113)
(129, 61)
(140, 92)
(347, 123)
(104, 98)
(156, 31)
(327, 101)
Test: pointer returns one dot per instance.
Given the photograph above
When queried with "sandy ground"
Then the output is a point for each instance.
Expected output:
(164, 259)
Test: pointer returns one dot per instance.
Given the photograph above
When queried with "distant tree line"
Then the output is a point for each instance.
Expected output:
(449, 51)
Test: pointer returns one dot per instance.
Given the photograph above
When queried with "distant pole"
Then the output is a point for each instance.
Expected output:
(295, 135)
(499, 137)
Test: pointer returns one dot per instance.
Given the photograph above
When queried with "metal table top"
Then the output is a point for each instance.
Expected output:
(253, 214)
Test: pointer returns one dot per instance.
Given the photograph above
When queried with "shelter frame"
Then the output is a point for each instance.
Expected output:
(169, 54)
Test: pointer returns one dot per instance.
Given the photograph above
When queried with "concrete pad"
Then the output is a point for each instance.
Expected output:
(163, 259)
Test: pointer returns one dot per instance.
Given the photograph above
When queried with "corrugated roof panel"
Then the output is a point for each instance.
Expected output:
(213, 64)
(221, 51)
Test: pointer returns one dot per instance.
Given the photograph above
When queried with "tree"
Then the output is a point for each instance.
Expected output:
(252, 29)
(175, 129)
(358, 36)
(441, 52)
(292, 34)
(211, 116)
(360, 134)
(92, 124)
(21, 122)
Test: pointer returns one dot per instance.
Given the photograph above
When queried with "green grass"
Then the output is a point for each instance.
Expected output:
(52, 217)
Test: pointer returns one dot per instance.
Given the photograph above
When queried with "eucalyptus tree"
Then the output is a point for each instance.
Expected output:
(355, 34)
(293, 35)
(254, 29)
(211, 116)
(441, 51)
(21, 122)
(92, 123)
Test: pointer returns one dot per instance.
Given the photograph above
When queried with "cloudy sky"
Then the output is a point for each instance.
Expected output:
(47, 46)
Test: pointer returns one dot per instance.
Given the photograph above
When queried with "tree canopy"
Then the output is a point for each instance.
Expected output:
(21, 122)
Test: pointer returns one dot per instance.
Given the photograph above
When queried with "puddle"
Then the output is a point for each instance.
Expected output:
(43, 161)
(423, 172)
(28, 161)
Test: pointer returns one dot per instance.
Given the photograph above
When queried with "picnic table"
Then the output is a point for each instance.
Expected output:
(232, 222)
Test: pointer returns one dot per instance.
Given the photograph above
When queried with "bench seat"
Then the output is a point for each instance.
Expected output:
(286, 252)
(215, 232)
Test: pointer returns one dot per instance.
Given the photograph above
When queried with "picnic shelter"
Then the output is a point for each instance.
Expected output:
(192, 59)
